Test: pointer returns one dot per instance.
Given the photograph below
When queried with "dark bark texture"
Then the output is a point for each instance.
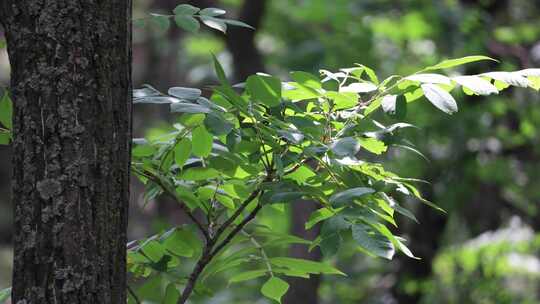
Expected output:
(70, 83)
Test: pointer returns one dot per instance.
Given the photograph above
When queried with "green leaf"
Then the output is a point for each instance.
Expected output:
(449, 63)
(219, 71)
(192, 120)
(306, 79)
(153, 250)
(202, 142)
(398, 208)
(162, 22)
(373, 145)
(275, 288)
(534, 82)
(306, 266)
(349, 195)
(319, 215)
(343, 100)
(175, 244)
(370, 72)
(440, 98)
(217, 125)
(359, 87)
(395, 106)
(5, 294)
(6, 111)
(511, 78)
(171, 294)
(143, 151)
(212, 12)
(373, 242)
(298, 92)
(5, 138)
(282, 197)
(185, 9)
(264, 89)
(347, 146)
(237, 23)
(214, 23)
(192, 108)
(155, 100)
(199, 174)
(187, 23)
(248, 275)
(182, 152)
(429, 78)
(330, 239)
(476, 84)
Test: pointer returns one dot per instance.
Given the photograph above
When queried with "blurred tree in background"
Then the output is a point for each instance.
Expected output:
(483, 162)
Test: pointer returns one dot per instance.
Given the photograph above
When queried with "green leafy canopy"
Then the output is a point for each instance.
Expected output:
(274, 142)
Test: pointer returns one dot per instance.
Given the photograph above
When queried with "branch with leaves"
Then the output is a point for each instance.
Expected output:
(316, 137)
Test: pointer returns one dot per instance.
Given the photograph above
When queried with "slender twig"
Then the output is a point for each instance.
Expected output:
(237, 213)
(211, 217)
(258, 246)
(211, 248)
(133, 295)
(184, 208)
(206, 257)
(237, 229)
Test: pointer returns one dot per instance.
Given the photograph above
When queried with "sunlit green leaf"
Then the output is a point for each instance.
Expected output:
(212, 11)
(275, 288)
(175, 243)
(171, 294)
(214, 23)
(307, 266)
(182, 151)
(449, 63)
(264, 89)
(306, 79)
(6, 112)
(202, 142)
(476, 84)
(248, 275)
(372, 241)
(440, 98)
(198, 174)
(373, 145)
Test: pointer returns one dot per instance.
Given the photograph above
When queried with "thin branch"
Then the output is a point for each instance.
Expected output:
(206, 257)
(264, 256)
(184, 208)
(133, 295)
(237, 229)
(208, 254)
(237, 213)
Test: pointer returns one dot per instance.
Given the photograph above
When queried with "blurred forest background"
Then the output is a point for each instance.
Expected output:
(483, 162)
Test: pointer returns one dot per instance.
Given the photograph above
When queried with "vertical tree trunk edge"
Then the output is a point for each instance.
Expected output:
(71, 89)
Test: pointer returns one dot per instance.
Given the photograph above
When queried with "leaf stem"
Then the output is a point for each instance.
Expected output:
(258, 246)
(157, 180)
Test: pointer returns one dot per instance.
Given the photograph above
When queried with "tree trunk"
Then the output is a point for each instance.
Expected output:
(71, 84)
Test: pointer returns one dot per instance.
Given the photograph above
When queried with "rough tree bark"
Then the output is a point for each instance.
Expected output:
(70, 83)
